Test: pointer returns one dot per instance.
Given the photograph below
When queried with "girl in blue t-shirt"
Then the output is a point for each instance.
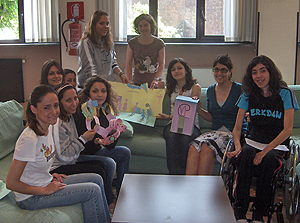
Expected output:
(271, 107)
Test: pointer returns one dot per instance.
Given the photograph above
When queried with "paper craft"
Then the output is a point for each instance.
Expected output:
(184, 115)
(138, 104)
(109, 134)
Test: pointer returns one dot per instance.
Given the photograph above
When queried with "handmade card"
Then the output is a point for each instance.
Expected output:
(184, 115)
(138, 104)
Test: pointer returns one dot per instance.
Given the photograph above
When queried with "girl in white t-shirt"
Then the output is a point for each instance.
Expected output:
(29, 177)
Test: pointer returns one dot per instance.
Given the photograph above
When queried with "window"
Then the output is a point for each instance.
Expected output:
(206, 21)
(36, 22)
(182, 20)
(11, 21)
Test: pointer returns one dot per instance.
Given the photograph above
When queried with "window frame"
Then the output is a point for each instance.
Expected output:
(200, 26)
(21, 26)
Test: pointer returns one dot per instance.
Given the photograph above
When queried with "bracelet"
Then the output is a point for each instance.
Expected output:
(120, 73)
(158, 78)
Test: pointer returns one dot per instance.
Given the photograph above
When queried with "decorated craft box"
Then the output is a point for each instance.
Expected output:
(184, 115)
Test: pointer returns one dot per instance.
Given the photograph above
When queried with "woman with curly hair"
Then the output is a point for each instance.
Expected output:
(179, 81)
(100, 90)
(96, 53)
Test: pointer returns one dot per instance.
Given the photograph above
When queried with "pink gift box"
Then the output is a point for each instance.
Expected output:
(185, 110)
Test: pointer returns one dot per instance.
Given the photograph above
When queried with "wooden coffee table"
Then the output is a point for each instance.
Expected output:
(172, 198)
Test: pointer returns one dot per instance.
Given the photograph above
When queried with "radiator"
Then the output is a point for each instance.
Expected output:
(11, 80)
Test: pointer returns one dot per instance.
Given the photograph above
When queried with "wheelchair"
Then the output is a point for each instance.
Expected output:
(286, 178)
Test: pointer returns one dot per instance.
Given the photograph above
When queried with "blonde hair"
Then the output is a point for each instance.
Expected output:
(91, 33)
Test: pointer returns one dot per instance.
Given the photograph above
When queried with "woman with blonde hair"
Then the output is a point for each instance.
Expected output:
(96, 53)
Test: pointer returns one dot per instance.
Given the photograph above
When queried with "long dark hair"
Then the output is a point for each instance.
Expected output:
(111, 98)
(61, 89)
(171, 82)
(36, 97)
(91, 32)
(226, 61)
(275, 82)
(45, 70)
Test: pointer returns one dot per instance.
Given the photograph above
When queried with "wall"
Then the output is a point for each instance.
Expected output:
(196, 55)
(90, 6)
(277, 34)
(34, 56)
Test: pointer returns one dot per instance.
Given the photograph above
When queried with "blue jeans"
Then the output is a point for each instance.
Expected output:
(177, 147)
(86, 189)
(121, 155)
(110, 165)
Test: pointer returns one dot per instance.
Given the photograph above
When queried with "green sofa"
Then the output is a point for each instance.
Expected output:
(148, 148)
(146, 143)
(11, 125)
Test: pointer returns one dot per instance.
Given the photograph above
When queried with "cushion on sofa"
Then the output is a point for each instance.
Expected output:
(11, 122)
(296, 89)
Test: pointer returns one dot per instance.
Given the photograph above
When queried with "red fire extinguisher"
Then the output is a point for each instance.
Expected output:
(74, 32)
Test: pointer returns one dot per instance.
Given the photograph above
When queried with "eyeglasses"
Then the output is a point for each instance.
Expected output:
(223, 70)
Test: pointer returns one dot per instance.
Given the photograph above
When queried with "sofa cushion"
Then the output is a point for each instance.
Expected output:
(129, 130)
(296, 89)
(11, 122)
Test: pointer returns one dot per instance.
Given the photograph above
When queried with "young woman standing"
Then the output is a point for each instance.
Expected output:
(96, 53)
(147, 51)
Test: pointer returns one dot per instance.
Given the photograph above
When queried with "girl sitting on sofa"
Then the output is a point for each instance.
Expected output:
(52, 73)
(71, 145)
(179, 81)
(29, 177)
(99, 90)
(221, 111)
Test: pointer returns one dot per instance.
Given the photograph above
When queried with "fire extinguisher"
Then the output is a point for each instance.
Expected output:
(74, 32)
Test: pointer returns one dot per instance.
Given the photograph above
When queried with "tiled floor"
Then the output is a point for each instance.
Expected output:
(279, 197)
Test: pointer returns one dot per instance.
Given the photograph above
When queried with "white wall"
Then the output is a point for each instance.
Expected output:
(277, 34)
(89, 7)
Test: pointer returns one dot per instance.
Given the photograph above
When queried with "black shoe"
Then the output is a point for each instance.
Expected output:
(238, 214)
(256, 216)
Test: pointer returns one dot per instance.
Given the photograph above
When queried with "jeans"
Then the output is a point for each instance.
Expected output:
(177, 148)
(90, 166)
(86, 189)
(121, 155)
(111, 169)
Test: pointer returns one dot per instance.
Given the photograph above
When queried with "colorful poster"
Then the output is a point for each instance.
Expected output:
(138, 104)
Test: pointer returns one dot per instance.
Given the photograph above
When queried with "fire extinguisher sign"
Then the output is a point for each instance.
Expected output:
(75, 10)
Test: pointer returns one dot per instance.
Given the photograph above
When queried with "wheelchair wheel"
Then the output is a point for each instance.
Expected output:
(227, 171)
(291, 195)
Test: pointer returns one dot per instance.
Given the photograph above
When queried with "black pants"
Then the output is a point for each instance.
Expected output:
(177, 148)
(265, 172)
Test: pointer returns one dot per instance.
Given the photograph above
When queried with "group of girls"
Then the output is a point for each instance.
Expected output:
(262, 94)
(50, 158)
(263, 100)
